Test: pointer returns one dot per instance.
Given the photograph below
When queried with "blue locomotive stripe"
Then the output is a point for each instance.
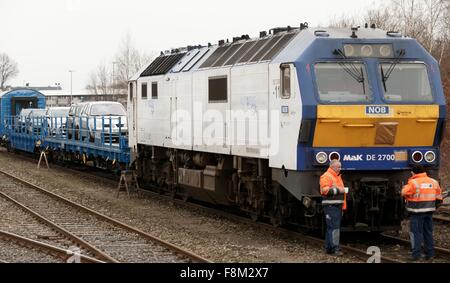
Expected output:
(370, 159)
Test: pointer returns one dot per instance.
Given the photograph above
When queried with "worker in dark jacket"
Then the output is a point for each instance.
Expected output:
(423, 195)
(334, 203)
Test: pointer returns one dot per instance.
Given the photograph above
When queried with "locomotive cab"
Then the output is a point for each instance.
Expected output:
(379, 108)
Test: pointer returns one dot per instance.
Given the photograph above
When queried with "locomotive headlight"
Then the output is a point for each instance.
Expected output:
(349, 50)
(366, 50)
(417, 156)
(321, 157)
(386, 50)
(335, 156)
(430, 157)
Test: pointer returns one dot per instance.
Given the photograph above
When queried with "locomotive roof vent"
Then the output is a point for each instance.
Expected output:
(394, 34)
(321, 33)
(242, 37)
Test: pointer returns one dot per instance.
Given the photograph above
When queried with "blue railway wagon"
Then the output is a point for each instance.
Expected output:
(16, 136)
(12, 102)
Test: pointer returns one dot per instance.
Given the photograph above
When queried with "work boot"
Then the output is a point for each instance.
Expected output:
(337, 253)
(414, 258)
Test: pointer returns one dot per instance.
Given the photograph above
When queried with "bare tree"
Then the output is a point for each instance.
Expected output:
(130, 60)
(103, 75)
(425, 20)
(8, 69)
(93, 83)
(99, 80)
(383, 18)
(343, 21)
(127, 62)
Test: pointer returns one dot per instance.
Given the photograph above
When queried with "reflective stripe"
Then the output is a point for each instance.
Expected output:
(332, 201)
(420, 206)
(416, 185)
(419, 210)
(427, 196)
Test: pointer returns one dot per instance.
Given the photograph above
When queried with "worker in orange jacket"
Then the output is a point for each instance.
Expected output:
(334, 203)
(423, 195)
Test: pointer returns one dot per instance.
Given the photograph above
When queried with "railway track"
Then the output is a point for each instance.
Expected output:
(117, 241)
(39, 251)
(393, 250)
(19, 219)
(442, 214)
(359, 253)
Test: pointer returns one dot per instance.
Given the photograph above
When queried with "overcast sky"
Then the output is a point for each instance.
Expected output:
(48, 38)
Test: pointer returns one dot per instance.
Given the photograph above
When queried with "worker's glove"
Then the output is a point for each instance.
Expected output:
(346, 189)
(438, 203)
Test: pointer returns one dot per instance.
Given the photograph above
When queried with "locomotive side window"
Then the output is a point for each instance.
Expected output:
(405, 82)
(144, 91)
(342, 82)
(154, 90)
(285, 81)
(217, 89)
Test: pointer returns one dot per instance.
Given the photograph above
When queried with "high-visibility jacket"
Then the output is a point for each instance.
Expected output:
(421, 193)
(330, 181)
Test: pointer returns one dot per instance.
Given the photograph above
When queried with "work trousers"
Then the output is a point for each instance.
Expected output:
(333, 216)
(421, 231)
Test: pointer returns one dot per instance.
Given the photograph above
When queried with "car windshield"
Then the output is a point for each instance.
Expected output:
(342, 82)
(406, 82)
(108, 109)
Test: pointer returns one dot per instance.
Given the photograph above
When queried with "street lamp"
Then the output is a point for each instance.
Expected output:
(71, 88)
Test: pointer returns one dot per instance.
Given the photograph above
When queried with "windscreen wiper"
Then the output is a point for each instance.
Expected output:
(351, 69)
(385, 76)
